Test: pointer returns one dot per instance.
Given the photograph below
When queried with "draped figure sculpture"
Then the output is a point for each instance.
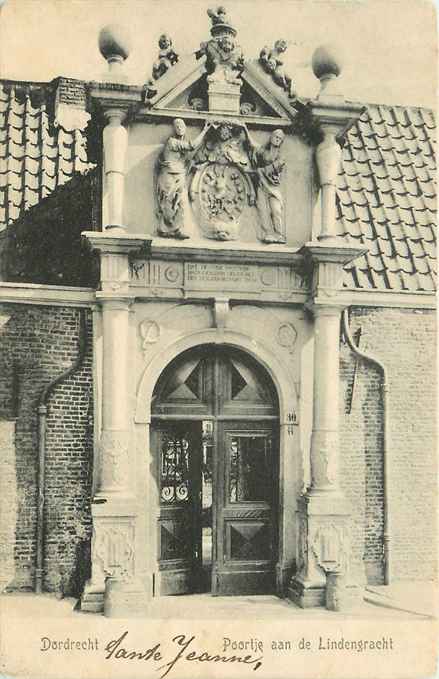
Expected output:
(269, 165)
(172, 194)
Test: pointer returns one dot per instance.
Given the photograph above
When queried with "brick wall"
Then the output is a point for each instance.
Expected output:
(404, 341)
(38, 343)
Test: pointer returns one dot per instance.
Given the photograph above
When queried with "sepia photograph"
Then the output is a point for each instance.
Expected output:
(218, 445)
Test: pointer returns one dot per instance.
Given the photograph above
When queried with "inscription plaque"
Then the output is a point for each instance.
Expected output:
(198, 275)
(256, 279)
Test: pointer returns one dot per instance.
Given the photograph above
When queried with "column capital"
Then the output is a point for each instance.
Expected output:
(115, 115)
(338, 114)
(115, 251)
(328, 308)
(114, 301)
(118, 244)
(326, 260)
(336, 252)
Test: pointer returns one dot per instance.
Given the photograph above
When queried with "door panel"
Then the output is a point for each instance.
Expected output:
(246, 509)
(179, 527)
(215, 421)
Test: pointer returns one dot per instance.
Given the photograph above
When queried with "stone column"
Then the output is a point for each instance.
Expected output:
(115, 142)
(115, 587)
(322, 510)
(324, 440)
(323, 513)
(114, 463)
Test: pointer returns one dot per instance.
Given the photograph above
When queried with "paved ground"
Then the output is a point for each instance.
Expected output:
(402, 600)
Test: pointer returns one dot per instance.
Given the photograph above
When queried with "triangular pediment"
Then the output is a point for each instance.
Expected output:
(183, 90)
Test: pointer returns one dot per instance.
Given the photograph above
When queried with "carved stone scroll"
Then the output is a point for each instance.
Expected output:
(113, 548)
(330, 547)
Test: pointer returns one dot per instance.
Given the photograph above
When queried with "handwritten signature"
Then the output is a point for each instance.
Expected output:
(117, 649)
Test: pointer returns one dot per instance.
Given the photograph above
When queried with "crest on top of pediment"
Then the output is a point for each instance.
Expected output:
(216, 78)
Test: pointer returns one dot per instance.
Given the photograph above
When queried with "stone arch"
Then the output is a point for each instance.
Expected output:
(289, 443)
(262, 354)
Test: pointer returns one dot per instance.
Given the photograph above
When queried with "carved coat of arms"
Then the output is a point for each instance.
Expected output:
(221, 187)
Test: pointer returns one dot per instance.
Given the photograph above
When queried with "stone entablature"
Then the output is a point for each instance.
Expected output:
(188, 277)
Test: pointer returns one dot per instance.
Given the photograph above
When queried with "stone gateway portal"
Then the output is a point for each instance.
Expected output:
(215, 439)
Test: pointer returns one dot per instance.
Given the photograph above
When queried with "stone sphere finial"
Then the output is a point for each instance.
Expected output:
(326, 62)
(114, 43)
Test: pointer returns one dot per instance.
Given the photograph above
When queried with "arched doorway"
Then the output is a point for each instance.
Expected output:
(215, 444)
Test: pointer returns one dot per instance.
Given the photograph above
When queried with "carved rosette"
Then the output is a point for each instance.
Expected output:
(287, 336)
(113, 548)
(114, 460)
(324, 449)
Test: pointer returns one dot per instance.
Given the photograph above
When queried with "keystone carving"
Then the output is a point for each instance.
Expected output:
(221, 310)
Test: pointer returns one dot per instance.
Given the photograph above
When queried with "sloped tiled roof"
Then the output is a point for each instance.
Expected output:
(35, 156)
(386, 192)
(386, 199)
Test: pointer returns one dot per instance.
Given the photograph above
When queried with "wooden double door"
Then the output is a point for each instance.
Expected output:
(215, 438)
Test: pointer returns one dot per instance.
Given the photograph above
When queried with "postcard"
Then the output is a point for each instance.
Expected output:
(217, 339)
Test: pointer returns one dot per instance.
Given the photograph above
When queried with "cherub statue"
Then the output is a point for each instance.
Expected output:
(167, 57)
(272, 63)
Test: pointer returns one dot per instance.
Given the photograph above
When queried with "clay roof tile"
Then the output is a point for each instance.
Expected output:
(388, 196)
